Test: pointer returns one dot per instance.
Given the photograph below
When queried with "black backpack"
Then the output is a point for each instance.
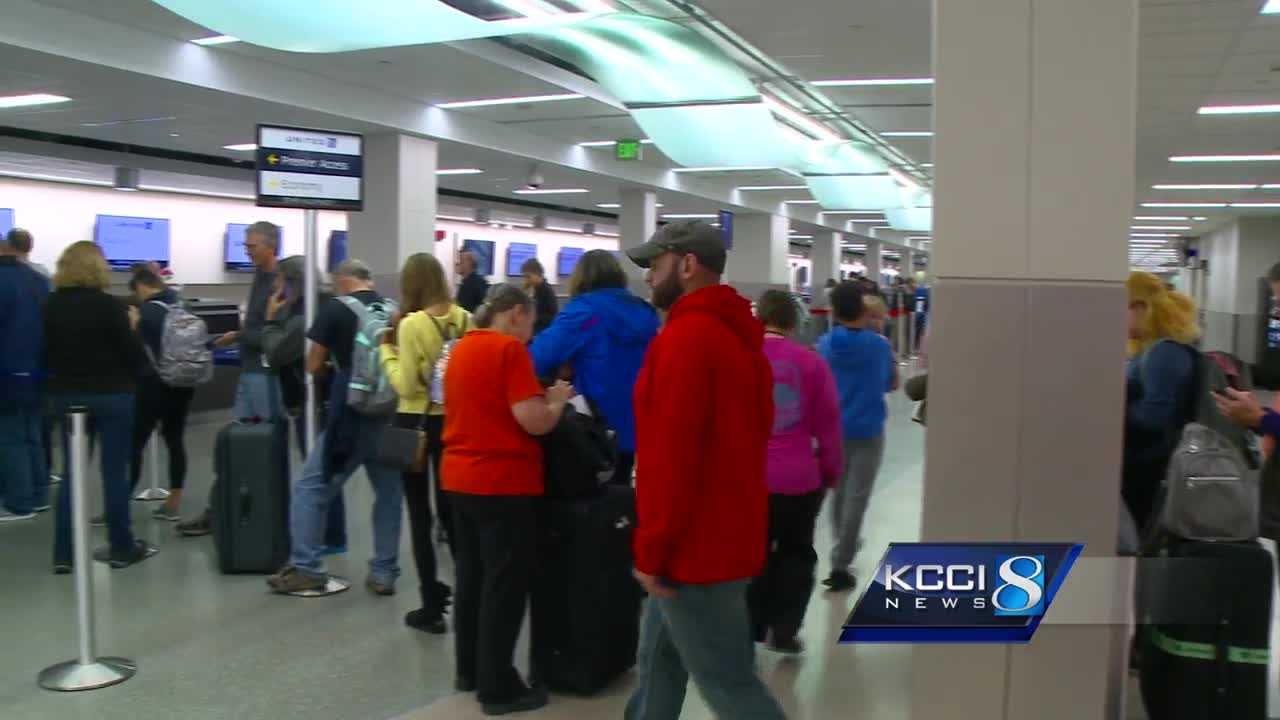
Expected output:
(579, 456)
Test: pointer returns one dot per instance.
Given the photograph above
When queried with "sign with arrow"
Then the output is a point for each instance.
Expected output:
(310, 169)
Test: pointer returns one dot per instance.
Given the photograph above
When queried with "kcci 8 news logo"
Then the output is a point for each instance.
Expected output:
(960, 592)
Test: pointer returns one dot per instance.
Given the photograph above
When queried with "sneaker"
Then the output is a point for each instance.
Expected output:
(6, 516)
(140, 551)
(428, 622)
(786, 646)
(165, 514)
(62, 567)
(462, 683)
(197, 527)
(839, 581)
(41, 508)
(292, 580)
(380, 588)
(532, 699)
(98, 521)
(333, 550)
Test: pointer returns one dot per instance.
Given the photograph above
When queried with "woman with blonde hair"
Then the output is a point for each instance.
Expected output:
(409, 353)
(1159, 386)
(79, 315)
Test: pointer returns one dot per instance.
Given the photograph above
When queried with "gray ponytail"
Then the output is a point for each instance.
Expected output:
(500, 299)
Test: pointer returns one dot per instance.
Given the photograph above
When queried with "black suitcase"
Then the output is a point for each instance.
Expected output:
(1204, 656)
(251, 497)
(584, 603)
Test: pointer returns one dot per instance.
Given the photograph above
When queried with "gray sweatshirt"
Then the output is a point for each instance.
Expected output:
(254, 319)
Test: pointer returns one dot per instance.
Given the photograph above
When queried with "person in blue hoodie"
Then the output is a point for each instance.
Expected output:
(24, 475)
(602, 334)
(864, 368)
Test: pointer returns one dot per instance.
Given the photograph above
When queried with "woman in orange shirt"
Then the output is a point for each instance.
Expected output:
(494, 409)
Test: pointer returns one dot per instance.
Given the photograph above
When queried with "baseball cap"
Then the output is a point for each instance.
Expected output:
(692, 238)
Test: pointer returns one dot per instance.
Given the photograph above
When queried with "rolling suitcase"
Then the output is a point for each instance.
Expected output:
(584, 603)
(251, 497)
(1204, 656)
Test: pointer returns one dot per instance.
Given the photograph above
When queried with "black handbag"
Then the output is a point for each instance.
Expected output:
(579, 455)
(404, 449)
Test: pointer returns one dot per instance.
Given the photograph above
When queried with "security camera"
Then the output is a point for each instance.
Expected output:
(535, 178)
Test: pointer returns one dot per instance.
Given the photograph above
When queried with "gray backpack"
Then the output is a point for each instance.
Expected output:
(1211, 490)
(370, 392)
(185, 359)
(450, 338)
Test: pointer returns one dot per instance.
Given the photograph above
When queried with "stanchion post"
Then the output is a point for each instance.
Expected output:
(87, 671)
(154, 492)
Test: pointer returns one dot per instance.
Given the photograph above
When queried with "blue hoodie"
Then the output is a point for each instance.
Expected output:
(862, 362)
(23, 292)
(603, 334)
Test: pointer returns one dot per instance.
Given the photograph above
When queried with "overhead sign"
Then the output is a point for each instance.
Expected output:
(310, 169)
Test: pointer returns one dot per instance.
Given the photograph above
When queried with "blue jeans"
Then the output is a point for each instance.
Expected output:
(335, 531)
(112, 417)
(258, 396)
(702, 631)
(312, 498)
(24, 475)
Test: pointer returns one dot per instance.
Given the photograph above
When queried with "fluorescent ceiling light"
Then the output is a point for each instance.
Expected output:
(800, 237)
(907, 133)
(1153, 235)
(459, 171)
(1271, 8)
(1271, 186)
(551, 191)
(800, 202)
(565, 229)
(1160, 227)
(1183, 205)
(455, 218)
(612, 206)
(1256, 205)
(690, 216)
(872, 82)
(1239, 109)
(1173, 218)
(56, 178)
(607, 143)
(190, 191)
(242, 147)
(1224, 158)
(802, 121)
(487, 102)
(1199, 218)
(1205, 187)
(763, 188)
(727, 168)
(853, 212)
(30, 99)
(215, 40)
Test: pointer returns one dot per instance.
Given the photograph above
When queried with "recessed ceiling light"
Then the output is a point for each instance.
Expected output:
(1239, 109)
(552, 191)
(1160, 227)
(612, 206)
(1224, 158)
(1183, 205)
(1199, 218)
(174, 135)
(30, 99)
(215, 40)
(907, 133)
(1175, 218)
(726, 168)
(1227, 186)
(459, 171)
(1256, 205)
(487, 102)
(242, 147)
(607, 143)
(763, 188)
(800, 202)
(690, 216)
(1271, 186)
(872, 82)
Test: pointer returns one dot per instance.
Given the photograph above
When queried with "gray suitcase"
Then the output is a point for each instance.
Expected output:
(251, 497)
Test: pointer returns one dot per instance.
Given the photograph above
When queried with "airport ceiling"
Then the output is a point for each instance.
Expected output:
(1192, 53)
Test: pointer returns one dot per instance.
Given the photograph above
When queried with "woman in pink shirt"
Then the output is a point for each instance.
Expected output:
(804, 460)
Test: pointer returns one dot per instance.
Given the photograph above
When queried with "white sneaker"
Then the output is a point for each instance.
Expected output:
(6, 516)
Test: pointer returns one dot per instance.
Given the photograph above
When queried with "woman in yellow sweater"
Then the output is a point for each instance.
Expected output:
(430, 320)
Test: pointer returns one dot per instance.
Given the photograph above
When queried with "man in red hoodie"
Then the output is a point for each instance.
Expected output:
(704, 412)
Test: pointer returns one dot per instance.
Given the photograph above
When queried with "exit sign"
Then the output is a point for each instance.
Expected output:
(627, 149)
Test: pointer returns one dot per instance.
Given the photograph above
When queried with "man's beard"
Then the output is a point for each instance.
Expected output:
(667, 292)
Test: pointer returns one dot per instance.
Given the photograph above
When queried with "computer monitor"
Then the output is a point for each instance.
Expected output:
(6, 221)
(337, 248)
(568, 260)
(126, 241)
(235, 259)
(517, 255)
(483, 250)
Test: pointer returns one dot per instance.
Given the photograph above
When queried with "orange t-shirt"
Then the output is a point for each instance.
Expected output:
(486, 452)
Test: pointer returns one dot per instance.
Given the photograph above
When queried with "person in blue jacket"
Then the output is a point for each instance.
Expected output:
(602, 334)
(24, 476)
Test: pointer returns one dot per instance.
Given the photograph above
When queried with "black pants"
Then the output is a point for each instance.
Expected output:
(168, 407)
(417, 495)
(777, 599)
(622, 470)
(494, 544)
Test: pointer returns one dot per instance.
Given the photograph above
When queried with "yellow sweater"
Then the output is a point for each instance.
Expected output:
(408, 365)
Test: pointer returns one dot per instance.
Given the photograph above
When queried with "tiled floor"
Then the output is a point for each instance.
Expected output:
(217, 647)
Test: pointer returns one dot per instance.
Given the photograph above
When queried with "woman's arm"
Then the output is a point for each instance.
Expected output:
(557, 345)
(825, 407)
(404, 365)
(540, 415)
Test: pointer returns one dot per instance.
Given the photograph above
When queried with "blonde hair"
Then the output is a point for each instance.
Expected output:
(423, 283)
(1171, 315)
(82, 265)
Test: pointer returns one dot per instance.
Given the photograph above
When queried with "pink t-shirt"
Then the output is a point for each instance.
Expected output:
(805, 449)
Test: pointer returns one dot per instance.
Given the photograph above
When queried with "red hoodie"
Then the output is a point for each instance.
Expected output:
(704, 413)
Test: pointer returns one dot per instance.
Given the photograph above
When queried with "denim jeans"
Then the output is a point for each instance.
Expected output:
(312, 498)
(112, 417)
(258, 396)
(701, 632)
(335, 532)
(24, 476)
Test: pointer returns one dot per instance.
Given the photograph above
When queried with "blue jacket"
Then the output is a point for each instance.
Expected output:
(23, 292)
(604, 334)
(862, 363)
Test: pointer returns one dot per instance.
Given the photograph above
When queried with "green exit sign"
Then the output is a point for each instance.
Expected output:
(627, 149)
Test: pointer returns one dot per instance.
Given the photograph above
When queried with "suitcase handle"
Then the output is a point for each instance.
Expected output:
(246, 505)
